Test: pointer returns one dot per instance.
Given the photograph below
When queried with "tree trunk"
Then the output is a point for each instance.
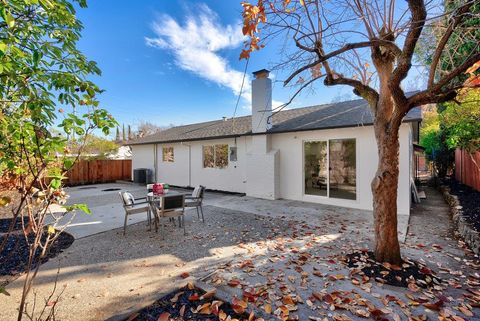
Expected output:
(384, 189)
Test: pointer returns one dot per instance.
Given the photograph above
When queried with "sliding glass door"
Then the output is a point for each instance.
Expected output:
(316, 170)
(330, 168)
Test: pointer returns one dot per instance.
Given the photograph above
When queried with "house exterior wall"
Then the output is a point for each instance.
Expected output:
(177, 172)
(280, 170)
(406, 166)
(262, 168)
(291, 162)
(187, 167)
(143, 157)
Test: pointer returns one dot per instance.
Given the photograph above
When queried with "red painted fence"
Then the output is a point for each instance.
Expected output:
(99, 171)
(467, 168)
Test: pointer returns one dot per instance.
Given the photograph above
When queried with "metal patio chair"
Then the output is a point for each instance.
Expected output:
(133, 206)
(196, 200)
(170, 207)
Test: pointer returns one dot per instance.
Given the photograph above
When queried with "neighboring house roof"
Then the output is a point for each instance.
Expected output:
(352, 113)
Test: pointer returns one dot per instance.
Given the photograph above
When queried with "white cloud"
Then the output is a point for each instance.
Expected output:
(197, 44)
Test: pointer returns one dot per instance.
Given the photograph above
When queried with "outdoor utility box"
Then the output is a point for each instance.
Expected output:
(142, 176)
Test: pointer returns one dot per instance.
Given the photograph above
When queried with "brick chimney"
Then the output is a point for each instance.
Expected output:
(261, 101)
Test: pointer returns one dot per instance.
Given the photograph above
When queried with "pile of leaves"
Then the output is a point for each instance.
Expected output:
(469, 200)
(14, 255)
(193, 303)
(410, 274)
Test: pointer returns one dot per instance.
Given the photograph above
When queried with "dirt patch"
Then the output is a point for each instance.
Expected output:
(14, 200)
(191, 303)
(410, 274)
(14, 256)
(469, 200)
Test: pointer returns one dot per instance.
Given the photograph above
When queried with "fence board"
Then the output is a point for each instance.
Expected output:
(467, 169)
(99, 171)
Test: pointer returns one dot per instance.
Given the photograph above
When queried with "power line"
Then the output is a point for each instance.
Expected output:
(239, 95)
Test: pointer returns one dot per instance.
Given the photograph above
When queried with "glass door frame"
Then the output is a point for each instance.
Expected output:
(328, 168)
(327, 141)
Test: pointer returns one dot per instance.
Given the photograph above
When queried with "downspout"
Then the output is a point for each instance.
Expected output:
(189, 163)
(155, 161)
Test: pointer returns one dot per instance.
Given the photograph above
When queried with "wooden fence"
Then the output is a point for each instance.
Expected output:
(467, 169)
(99, 171)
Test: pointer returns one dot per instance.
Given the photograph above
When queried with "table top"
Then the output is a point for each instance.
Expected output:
(169, 193)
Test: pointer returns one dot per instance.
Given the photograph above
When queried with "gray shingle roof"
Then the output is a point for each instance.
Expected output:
(352, 113)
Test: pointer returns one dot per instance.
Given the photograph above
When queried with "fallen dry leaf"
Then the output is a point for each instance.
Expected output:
(194, 297)
(208, 294)
(164, 316)
(465, 311)
(267, 308)
(176, 296)
(234, 283)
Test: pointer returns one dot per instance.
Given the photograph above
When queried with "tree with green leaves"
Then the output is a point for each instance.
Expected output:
(457, 126)
(93, 146)
(439, 147)
(461, 121)
(432, 137)
(43, 76)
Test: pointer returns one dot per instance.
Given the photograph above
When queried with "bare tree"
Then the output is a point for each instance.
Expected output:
(146, 128)
(370, 46)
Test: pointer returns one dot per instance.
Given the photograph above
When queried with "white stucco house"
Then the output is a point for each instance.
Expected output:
(325, 154)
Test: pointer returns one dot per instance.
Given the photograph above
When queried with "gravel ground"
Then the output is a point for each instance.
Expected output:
(303, 265)
(108, 273)
(291, 263)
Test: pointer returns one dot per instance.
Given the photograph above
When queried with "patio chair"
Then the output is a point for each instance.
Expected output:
(149, 188)
(196, 200)
(133, 206)
(170, 207)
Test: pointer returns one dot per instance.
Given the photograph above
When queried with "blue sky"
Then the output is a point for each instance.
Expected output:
(156, 69)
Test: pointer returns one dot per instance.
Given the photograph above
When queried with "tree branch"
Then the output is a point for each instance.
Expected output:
(457, 71)
(350, 46)
(360, 89)
(438, 93)
(419, 14)
(443, 41)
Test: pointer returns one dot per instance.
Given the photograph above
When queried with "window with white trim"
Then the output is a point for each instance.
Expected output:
(168, 155)
(215, 156)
